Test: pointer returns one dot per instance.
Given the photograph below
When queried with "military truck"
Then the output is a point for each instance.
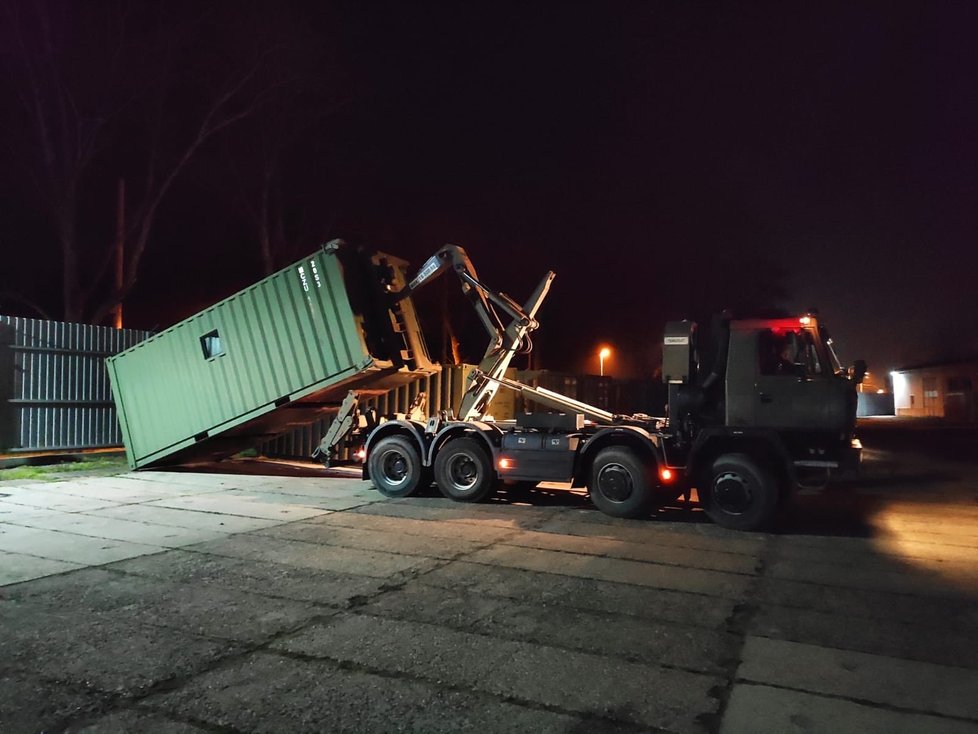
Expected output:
(756, 407)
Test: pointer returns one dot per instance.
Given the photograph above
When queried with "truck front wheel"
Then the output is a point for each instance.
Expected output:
(463, 470)
(739, 493)
(395, 466)
(620, 483)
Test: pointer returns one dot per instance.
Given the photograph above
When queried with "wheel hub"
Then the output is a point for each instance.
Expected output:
(395, 467)
(615, 483)
(732, 493)
(463, 472)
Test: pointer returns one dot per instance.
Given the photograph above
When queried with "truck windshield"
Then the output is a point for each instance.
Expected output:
(827, 341)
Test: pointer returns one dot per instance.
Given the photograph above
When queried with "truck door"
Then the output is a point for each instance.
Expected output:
(795, 388)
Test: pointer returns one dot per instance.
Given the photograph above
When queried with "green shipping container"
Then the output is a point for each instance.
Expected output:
(276, 355)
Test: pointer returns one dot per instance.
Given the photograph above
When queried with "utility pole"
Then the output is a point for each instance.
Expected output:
(120, 241)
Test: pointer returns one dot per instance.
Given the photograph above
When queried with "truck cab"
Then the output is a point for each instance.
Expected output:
(771, 391)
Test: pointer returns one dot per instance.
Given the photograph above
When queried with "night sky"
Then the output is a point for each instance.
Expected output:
(665, 159)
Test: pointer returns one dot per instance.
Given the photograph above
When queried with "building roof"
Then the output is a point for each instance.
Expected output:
(939, 363)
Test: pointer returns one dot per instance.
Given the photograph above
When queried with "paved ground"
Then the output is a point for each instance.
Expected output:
(179, 602)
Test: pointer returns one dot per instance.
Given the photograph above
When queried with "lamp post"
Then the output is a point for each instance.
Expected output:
(602, 355)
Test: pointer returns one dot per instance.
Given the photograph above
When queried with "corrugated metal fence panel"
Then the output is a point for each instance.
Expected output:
(54, 389)
(443, 390)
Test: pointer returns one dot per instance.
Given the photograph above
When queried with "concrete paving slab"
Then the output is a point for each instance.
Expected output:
(69, 547)
(635, 551)
(108, 492)
(102, 652)
(165, 536)
(309, 555)
(189, 519)
(959, 612)
(17, 567)
(604, 633)
(28, 703)
(511, 517)
(50, 498)
(904, 684)
(856, 551)
(195, 608)
(889, 575)
(243, 505)
(320, 487)
(128, 722)
(270, 693)
(712, 583)
(926, 535)
(87, 590)
(139, 483)
(20, 483)
(198, 479)
(547, 589)
(578, 682)
(412, 545)
(305, 500)
(258, 577)
(880, 635)
(144, 486)
(214, 611)
(408, 526)
(646, 532)
(10, 511)
(756, 709)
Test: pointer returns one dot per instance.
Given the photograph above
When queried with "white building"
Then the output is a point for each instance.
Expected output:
(940, 390)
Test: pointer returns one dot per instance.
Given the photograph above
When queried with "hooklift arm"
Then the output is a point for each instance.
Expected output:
(506, 340)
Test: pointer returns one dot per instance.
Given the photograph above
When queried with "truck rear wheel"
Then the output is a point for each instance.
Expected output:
(620, 483)
(463, 470)
(395, 466)
(740, 493)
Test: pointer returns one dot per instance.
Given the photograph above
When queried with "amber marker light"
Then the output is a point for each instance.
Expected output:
(665, 474)
(361, 454)
(505, 464)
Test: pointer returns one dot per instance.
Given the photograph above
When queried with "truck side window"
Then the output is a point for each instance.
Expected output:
(785, 353)
(777, 353)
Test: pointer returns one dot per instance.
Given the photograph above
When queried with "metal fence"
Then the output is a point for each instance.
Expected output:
(54, 390)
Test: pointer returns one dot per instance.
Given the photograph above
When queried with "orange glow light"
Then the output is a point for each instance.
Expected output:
(805, 320)
(604, 353)
(361, 454)
(505, 464)
(665, 475)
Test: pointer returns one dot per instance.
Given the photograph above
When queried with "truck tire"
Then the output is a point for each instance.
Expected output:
(739, 493)
(395, 466)
(620, 483)
(463, 470)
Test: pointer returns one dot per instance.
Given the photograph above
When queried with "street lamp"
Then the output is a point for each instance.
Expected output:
(602, 355)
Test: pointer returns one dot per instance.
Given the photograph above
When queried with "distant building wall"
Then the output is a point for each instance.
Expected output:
(937, 391)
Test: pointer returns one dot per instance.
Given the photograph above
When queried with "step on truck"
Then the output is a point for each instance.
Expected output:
(755, 409)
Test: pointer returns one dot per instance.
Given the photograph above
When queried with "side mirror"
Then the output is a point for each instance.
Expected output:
(858, 371)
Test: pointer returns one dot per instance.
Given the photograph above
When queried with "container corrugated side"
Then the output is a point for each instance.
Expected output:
(288, 337)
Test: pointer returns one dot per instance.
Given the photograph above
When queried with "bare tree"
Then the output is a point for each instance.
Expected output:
(133, 83)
